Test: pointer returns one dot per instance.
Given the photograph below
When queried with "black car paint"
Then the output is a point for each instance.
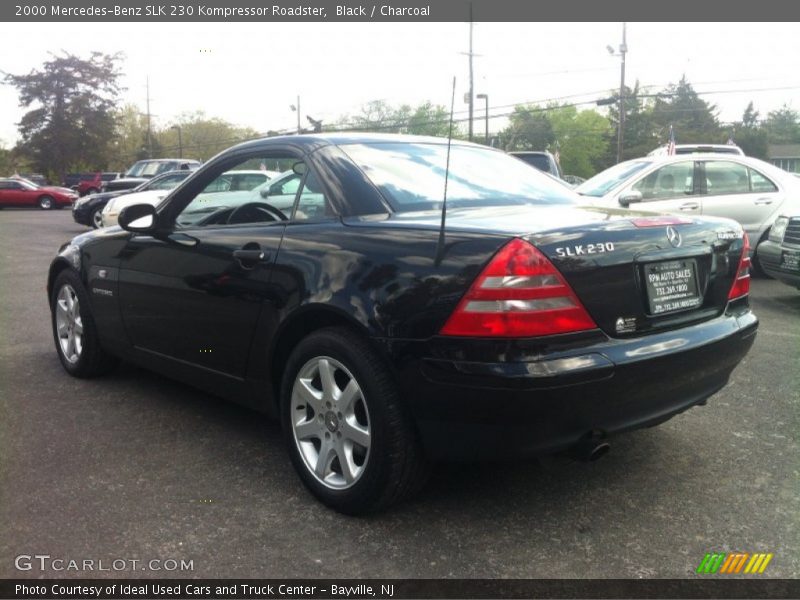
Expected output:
(197, 314)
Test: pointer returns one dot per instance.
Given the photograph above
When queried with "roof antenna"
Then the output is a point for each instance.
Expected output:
(440, 246)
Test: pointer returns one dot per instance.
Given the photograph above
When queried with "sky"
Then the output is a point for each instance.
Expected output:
(250, 73)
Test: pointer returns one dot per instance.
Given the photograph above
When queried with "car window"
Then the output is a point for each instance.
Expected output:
(670, 181)
(723, 177)
(247, 181)
(312, 204)
(411, 176)
(759, 183)
(224, 205)
(7, 185)
(166, 183)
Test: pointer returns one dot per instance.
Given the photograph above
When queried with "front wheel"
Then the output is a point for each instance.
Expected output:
(46, 203)
(74, 329)
(350, 438)
(97, 217)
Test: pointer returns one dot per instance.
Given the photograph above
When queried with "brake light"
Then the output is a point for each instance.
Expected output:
(741, 285)
(519, 294)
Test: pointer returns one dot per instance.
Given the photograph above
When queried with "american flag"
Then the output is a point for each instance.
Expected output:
(671, 144)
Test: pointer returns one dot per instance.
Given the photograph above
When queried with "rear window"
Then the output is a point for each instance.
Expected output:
(412, 176)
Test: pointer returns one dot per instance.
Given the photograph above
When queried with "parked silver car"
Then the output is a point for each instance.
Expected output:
(742, 188)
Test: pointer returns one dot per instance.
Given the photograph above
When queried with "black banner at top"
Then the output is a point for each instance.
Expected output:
(393, 10)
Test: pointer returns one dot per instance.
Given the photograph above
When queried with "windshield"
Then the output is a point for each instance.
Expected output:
(411, 176)
(604, 182)
(27, 183)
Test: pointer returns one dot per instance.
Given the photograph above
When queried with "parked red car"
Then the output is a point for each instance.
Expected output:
(21, 192)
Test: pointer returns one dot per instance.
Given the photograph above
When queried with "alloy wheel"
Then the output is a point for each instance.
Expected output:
(330, 422)
(97, 218)
(69, 325)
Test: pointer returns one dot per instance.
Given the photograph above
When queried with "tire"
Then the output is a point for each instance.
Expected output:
(96, 218)
(46, 203)
(83, 356)
(387, 464)
(758, 270)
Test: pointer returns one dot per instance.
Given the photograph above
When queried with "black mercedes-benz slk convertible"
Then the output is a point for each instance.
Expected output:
(386, 330)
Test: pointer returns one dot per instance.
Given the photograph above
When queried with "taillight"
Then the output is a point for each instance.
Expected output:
(741, 285)
(519, 294)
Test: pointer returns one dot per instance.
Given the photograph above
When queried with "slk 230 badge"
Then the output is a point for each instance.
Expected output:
(583, 249)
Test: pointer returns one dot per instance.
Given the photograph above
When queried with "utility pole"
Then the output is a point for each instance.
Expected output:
(623, 49)
(296, 108)
(469, 97)
(471, 82)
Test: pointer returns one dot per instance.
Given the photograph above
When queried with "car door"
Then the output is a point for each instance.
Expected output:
(6, 193)
(670, 188)
(734, 190)
(195, 293)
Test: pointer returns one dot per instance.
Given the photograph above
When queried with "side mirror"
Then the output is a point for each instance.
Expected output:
(629, 198)
(138, 218)
(264, 193)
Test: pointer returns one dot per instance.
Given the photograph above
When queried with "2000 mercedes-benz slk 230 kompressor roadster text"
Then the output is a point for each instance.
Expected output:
(386, 332)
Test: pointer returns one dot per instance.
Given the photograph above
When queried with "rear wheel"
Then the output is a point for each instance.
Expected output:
(350, 439)
(46, 202)
(74, 330)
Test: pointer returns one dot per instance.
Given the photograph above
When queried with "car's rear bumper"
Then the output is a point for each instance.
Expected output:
(481, 410)
(770, 258)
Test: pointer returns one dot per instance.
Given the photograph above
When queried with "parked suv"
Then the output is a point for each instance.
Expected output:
(780, 252)
(143, 170)
(544, 161)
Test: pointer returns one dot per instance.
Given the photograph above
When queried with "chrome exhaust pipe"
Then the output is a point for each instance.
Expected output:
(590, 449)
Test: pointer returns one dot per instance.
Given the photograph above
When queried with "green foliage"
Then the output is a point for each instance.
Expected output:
(529, 128)
(381, 117)
(783, 126)
(751, 138)
(202, 136)
(582, 139)
(72, 102)
(692, 118)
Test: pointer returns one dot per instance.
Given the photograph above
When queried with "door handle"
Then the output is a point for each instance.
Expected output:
(249, 257)
(183, 239)
(689, 206)
(761, 201)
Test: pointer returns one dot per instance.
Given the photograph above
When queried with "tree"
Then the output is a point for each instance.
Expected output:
(429, 119)
(528, 129)
(640, 130)
(783, 126)
(202, 137)
(71, 121)
(582, 139)
(130, 137)
(751, 138)
(692, 118)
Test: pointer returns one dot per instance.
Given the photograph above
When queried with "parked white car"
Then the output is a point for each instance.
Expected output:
(113, 207)
(698, 149)
(742, 188)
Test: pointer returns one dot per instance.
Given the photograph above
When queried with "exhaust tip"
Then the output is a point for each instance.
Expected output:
(590, 449)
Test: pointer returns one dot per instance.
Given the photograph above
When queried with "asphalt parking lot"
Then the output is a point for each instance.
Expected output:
(134, 466)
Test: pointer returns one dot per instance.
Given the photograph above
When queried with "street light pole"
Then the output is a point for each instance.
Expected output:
(623, 49)
(296, 108)
(180, 140)
(485, 97)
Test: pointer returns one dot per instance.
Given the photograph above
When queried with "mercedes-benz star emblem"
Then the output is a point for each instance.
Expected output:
(674, 237)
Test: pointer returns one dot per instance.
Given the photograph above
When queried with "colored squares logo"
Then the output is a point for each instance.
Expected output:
(734, 562)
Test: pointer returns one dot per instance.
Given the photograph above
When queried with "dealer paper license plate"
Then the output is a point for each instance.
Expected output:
(672, 286)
